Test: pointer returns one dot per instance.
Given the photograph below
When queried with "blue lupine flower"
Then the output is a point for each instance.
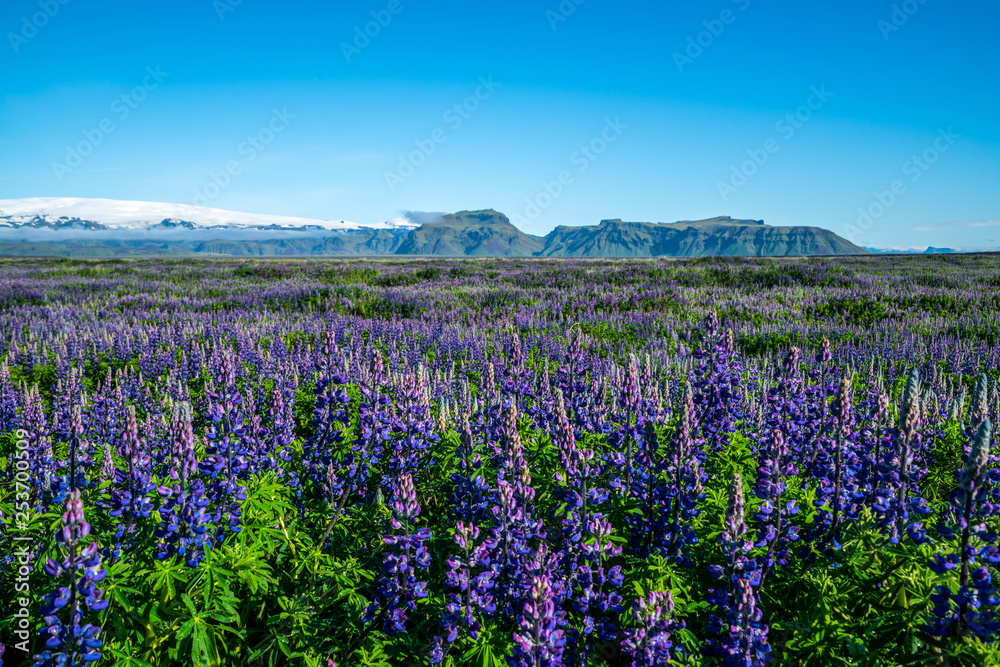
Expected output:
(69, 642)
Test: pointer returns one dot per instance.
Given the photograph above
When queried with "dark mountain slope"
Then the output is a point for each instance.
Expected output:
(471, 234)
(716, 236)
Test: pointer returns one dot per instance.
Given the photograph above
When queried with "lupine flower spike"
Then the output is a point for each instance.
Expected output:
(69, 642)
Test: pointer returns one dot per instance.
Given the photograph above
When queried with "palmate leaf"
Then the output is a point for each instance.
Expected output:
(489, 650)
(189, 604)
(263, 538)
(198, 630)
(213, 577)
(185, 630)
(203, 650)
(266, 501)
(252, 571)
(121, 596)
(483, 656)
(124, 656)
(374, 657)
(164, 578)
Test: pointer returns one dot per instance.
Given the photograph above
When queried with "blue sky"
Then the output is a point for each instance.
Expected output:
(786, 111)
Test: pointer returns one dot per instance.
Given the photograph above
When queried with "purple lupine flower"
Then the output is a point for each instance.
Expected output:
(8, 402)
(508, 451)
(578, 492)
(470, 578)
(513, 529)
(541, 408)
(257, 446)
(973, 608)
(516, 376)
(872, 438)
(911, 419)
(413, 430)
(825, 354)
(39, 450)
(563, 435)
(399, 590)
(130, 500)
(718, 391)
(329, 414)
(774, 467)
(538, 639)
(282, 432)
(69, 641)
(375, 417)
(672, 532)
(892, 501)
(648, 641)
(469, 501)
(629, 427)
(67, 398)
(226, 449)
(79, 463)
(102, 421)
(831, 490)
(979, 408)
(812, 447)
(573, 374)
(740, 638)
(488, 388)
(107, 463)
(282, 420)
(331, 469)
(183, 529)
(596, 580)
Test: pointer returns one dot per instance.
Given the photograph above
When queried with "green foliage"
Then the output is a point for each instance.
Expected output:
(940, 477)
(864, 311)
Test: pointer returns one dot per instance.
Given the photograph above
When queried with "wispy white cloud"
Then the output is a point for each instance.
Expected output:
(420, 217)
(960, 224)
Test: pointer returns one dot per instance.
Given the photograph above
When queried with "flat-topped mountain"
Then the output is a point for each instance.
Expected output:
(471, 234)
(699, 238)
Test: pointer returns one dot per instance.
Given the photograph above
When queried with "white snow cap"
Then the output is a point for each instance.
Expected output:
(137, 215)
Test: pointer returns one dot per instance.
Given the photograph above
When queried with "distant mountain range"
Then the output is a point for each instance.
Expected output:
(489, 233)
(70, 213)
(102, 228)
(931, 250)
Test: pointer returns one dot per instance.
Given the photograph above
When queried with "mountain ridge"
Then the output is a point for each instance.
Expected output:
(698, 238)
(120, 215)
(132, 229)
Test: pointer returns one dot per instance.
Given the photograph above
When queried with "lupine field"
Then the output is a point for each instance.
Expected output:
(500, 462)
